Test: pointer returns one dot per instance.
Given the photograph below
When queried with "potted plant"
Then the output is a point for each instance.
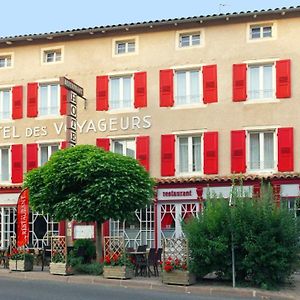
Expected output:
(20, 260)
(176, 271)
(59, 264)
(117, 266)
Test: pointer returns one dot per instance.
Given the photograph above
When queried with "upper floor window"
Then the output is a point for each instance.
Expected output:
(123, 47)
(188, 87)
(5, 164)
(261, 31)
(261, 150)
(261, 81)
(189, 39)
(5, 61)
(49, 99)
(5, 104)
(46, 150)
(125, 147)
(189, 154)
(52, 55)
(121, 92)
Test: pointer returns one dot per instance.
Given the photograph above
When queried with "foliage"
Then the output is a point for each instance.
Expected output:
(89, 249)
(21, 254)
(265, 240)
(174, 264)
(86, 183)
(118, 260)
(57, 257)
(92, 269)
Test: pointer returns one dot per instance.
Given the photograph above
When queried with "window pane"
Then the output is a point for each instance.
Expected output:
(181, 88)
(118, 147)
(44, 154)
(54, 148)
(183, 155)
(184, 40)
(269, 150)
(5, 165)
(43, 100)
(121, 48)
(58, 56)
(255, 32)
(130, 148)
(196, 154)
(8, 61)
(127, 92)
(2, 62)
(267, 31)
(254, 151)
(268, 81)
(194, 87)
(50, 57)
(196, 39)
(254, 82)
(131, 47)
(115, 92)
(54, 100)
(6, 105)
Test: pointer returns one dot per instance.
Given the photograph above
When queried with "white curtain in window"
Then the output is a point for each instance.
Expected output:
(183, 155)
(127, 92)
(43, 103)
(254, 82)
(269, 150)
(130, 148)
(6, 105)
(114, 92)
(181, 88)
(5, 165)
(118, 147)
(254, 151)
(54, 99)
(194, 87)
(196, 154)
(44, 154)
(267, 81)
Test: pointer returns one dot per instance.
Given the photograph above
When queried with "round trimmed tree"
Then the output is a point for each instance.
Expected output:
(87, 184)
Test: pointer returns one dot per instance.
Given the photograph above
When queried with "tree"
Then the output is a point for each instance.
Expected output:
(87, 184)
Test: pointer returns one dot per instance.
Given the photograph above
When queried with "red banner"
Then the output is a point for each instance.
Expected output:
(23, 218)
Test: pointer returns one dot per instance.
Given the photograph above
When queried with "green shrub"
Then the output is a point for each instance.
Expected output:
(265, 240)
(92, 269)
(89, 249)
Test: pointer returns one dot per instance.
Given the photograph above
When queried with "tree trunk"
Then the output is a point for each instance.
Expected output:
(99, 254)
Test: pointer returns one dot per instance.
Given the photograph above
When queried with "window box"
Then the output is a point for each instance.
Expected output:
(118, 272)
(23, 265)
(179, 277)
(60, 268)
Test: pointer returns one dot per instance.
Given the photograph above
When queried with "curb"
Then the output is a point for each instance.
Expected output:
(146, 285)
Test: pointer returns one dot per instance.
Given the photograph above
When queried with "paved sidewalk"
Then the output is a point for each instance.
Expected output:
(153, 283)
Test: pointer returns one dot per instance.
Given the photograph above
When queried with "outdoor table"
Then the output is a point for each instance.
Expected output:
(143, 255)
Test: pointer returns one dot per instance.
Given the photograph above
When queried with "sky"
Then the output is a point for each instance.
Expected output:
(19, 17)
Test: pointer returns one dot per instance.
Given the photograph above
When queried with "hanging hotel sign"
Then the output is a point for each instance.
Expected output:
(23, 219)
(177, 194)
(71, 86)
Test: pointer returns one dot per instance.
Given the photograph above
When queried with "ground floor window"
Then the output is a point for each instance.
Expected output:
(292, 205)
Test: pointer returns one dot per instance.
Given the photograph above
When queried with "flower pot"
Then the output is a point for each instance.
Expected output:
(117, 272)
(21, 264)
(179, 277)
(60, 269)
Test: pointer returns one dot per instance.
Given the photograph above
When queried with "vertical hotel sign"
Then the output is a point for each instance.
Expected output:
(74, 90)
(23, 218)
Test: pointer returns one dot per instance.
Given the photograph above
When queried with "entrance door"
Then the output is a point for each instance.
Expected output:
(169, 219)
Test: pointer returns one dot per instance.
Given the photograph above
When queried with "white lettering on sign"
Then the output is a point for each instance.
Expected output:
(177, 194)
(82, 127)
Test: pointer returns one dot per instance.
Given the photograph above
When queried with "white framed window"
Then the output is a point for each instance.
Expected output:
(189, 154)
(121, 92)
(49, 99)
(46, 150)
(126, 147)
(260, 31)
(123, 47)
(5, 104)
(189, 39)
(261, 83)
(52, 55)
(6, 61)
(5, 167)
(188, 87)
(261, 150)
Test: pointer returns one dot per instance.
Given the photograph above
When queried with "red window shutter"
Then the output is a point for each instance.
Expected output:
(101, 93)
(140, 89)
(64, 145)
(32, 156)
(63, 100)
(238, 151)
(103, 143)
(283, 78)
(211, 153)
(32, 100)
(168, 155)
(285, 149)
(210, 87)
(17, 163)
(166, 88)
(142, 150)
(239, 74)
(17, 102)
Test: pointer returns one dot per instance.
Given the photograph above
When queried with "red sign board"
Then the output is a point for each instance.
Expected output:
(23, 218)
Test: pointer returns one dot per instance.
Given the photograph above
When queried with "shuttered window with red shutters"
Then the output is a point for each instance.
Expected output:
(283, 78)
(17, 163)
(239, 82)
(285, 149)
(210, 87)
(238, 151)
(101, 93)
(17, 102)
(210, 153)
(168, 155)
(142, 150)
(103, 143)
(63, 100)
(140, 89)
(166, 88)
(32, 156)
(64, 145)
(32, 100)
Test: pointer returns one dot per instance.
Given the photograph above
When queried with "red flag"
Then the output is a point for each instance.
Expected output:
(23, 218)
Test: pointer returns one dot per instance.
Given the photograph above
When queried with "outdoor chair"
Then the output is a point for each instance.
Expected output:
(140, 265)
(142, 248)
(152, 262)
(129, 249)
(46, 256)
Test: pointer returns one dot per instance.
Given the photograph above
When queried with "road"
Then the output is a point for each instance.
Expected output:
(17, 289)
